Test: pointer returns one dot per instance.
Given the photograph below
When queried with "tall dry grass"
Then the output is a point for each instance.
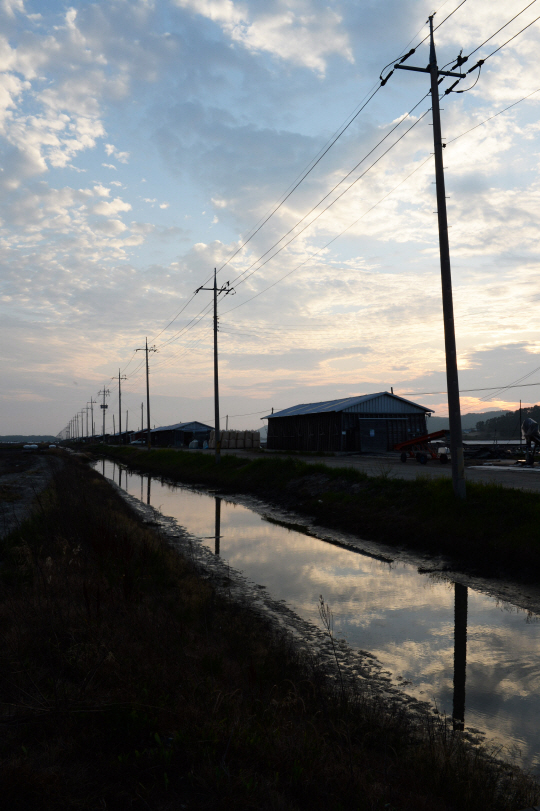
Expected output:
(126, 682)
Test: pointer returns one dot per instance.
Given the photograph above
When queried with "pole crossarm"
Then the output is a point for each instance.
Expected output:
(428, 70)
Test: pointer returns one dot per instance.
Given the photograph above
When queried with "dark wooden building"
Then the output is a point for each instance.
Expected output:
(370, 422)
(178, 435)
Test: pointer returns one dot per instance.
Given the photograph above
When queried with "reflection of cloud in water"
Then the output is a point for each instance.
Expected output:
(404, 618)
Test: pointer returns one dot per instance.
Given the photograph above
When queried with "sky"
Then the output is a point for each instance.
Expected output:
(146, 142)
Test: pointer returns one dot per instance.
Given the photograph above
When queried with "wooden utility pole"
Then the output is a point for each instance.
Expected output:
(226, 289)
(147, 349)
(454, 409)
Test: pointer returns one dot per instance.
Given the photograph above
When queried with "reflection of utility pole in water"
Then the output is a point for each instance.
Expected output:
(218, 523)
(142, 482)
(460, 654)
(120, 476)
(103, 465)
(148, 490)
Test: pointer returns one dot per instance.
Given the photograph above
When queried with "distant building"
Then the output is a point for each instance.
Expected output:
(178, 435)
(370, 422)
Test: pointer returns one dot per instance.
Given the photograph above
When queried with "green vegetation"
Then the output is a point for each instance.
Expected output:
(495, 530)
(127, 682)
(508, 425)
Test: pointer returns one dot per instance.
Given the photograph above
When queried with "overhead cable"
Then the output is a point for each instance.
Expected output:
(256, 261)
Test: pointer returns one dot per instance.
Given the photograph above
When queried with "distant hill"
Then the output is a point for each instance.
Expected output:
(506, 426)
(27, 439)
(468, 421)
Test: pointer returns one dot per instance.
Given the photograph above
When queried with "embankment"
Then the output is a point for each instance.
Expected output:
(493, 533)
(129, 681)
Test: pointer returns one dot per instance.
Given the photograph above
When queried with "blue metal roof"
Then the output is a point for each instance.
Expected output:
(392, 402)
(181, 426)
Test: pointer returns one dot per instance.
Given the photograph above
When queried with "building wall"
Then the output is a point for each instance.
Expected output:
(344, 431)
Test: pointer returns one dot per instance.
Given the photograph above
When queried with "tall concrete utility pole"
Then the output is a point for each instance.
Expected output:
(226, 289)
(452, 382)
(120, 377)
(105, 392)
(147, 349)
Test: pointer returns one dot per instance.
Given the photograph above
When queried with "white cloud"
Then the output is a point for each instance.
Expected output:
(305, 33)
(121, 156)
(108, 209)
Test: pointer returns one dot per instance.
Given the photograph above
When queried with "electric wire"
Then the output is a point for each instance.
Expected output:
(324, 210)
(469, 391)
(343, 179)
(506, 43)
(498, 31)
(303, 177)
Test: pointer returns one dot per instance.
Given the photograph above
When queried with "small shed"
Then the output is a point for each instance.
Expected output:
(367, 423)
(179, 435)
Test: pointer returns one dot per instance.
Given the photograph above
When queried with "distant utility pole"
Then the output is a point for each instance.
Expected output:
(92, 401)
(226, 289)
(86, 409)
(454, 410)
(120, 377)
(147, 349)
(142, 417)
(105, 392)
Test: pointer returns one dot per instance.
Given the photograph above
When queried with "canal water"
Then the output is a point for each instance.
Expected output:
(473, 657)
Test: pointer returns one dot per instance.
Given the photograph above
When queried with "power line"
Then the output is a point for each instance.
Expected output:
(465, 391)
(462, 61)
(329, 205)
(482, 61)
(330, 242)
(388, 134)
(318, 160)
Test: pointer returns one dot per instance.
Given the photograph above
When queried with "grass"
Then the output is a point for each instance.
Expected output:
(126, 682)
(495, 531)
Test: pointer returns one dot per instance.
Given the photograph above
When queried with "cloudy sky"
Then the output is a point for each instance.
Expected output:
(144, 142)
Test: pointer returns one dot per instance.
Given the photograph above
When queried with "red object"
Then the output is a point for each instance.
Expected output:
(419, 447)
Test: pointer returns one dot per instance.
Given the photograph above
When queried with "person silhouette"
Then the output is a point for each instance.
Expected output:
(529, 429)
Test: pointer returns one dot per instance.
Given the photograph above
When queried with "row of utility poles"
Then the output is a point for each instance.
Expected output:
(72, 431)
(454, 410)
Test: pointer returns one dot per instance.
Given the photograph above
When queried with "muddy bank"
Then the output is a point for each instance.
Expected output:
(23, 476)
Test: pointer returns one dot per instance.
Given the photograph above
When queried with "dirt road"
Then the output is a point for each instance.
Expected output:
(522, 478)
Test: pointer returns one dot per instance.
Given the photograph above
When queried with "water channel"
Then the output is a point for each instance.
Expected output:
(476, 659)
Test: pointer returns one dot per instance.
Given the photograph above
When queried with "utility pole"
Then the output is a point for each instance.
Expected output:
(105, 392)
(226, 289)
(127, 415)
(454, 410)
(120, 377)
(147, 349)
(86, 409)
(113, 426)
(92, 401)
(142, 417)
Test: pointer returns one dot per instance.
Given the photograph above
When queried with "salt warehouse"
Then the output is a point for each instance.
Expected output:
(370, 422)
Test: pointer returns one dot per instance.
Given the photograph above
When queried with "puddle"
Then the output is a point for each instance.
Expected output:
(472, 656)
